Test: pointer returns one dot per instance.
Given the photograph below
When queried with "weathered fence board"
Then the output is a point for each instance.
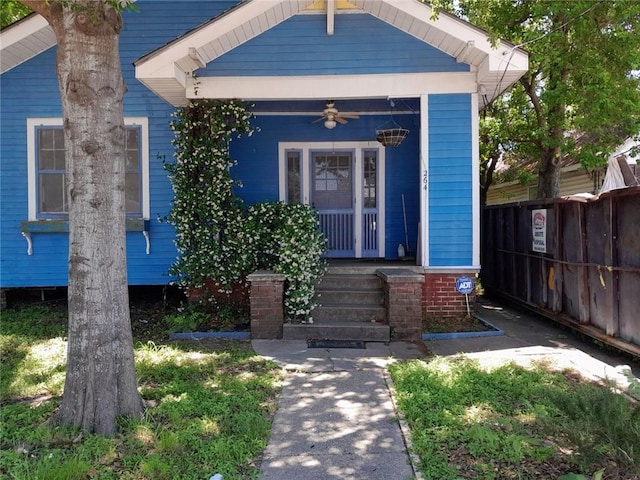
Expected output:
(588, 274)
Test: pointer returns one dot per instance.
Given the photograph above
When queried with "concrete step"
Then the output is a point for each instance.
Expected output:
(350, 296)
(350, 281)
(372, 332)
(336, 313)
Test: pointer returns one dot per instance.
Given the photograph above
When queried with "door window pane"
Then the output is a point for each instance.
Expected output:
(333, 173)
(333, 182)
(294, 190)
(370, 186)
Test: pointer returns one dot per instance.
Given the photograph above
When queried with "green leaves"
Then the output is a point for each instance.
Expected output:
(217, 238)
(581, 97)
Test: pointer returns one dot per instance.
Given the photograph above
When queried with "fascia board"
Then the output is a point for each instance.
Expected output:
(12, 53)
(331, 86)
(24, 29)
(451, 26)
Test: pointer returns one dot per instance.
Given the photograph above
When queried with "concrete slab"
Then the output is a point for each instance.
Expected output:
(336, 418)
(310, 466)
(294, 355)
(336, 425)
(530, 339)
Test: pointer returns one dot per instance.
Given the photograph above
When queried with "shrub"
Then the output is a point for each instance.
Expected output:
(289, 241)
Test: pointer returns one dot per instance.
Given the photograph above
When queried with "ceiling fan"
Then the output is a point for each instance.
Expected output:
(332, 116)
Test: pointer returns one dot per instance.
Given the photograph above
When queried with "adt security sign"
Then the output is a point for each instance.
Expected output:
(465, 285)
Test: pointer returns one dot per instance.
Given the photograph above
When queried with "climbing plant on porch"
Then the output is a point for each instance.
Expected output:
(207, 216)
(218, 239)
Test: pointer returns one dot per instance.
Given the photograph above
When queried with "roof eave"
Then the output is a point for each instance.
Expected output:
(24, 40)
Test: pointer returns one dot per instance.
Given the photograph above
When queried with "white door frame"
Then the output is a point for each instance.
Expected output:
(305, 149)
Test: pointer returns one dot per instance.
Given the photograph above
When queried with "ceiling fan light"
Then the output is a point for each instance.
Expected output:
(330, 124)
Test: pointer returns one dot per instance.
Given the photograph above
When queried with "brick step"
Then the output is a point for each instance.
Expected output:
(372, 332)
(349, 313)
(350, 281)
(350, 296)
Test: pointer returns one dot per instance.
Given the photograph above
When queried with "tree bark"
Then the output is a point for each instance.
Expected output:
(100, 382)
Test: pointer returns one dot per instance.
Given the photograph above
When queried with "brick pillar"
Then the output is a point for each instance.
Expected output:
(267, 307)
(440, 296)
(403, 299)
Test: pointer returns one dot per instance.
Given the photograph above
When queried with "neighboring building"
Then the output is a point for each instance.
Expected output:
(289, 58)
(574, 178)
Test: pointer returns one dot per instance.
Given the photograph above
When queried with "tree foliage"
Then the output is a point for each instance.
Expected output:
(12, 11)
(581, 95)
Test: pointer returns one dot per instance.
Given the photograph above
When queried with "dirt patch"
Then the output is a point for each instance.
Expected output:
(453, 325)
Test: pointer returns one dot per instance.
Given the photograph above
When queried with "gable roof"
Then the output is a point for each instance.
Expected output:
(167, 70)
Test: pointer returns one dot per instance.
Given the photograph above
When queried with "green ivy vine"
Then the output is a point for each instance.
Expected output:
(217, 238)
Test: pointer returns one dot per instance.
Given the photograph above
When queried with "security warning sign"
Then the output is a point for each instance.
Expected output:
(539, 230)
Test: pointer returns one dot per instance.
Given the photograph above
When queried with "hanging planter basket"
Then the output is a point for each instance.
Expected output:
(391, 137)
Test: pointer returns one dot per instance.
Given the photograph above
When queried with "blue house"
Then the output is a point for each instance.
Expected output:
(328, 79)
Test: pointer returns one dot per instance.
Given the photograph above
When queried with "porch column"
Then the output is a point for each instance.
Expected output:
(403, 299)
(267, 304)
(423, 240)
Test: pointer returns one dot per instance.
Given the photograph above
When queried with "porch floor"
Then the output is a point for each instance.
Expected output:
(369, 265)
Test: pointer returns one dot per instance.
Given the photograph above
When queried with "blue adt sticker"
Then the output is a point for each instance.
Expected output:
(465, 285)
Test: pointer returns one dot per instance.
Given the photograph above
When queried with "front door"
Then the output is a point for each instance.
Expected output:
(343, 181)
(332, 196)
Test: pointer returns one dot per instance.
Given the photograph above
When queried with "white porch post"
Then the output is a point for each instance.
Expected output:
(424, 180)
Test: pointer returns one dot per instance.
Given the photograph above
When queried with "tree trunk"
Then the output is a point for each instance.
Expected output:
(101, 381)
(549, 173)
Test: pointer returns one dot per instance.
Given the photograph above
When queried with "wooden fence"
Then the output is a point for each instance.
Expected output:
(574, 260)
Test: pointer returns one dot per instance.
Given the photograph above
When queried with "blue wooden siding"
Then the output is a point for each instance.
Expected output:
(361, 44)
(257, 167)
(31, 90)
(450, 177)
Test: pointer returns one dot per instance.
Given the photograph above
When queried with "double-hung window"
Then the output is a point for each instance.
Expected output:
(47, 169)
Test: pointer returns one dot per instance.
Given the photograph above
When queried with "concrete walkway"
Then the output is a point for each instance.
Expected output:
(336, 416)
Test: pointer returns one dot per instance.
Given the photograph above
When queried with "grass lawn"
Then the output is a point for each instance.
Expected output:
(468, 422)
(209, 408)
(210, 404)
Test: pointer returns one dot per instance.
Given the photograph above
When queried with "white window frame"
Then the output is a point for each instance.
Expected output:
(306, 148)
(34, 123)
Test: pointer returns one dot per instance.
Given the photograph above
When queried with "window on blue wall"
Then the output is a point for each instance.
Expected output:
(294, 174)
(48, 189)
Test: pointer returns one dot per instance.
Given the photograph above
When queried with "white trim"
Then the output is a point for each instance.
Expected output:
(32, 123)
(322, 87)
(358, 175)
(381, 205)
(467, 269)
(424, 180)
(331, 10)
(475, 177)
(24, 40)
(357, 147)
